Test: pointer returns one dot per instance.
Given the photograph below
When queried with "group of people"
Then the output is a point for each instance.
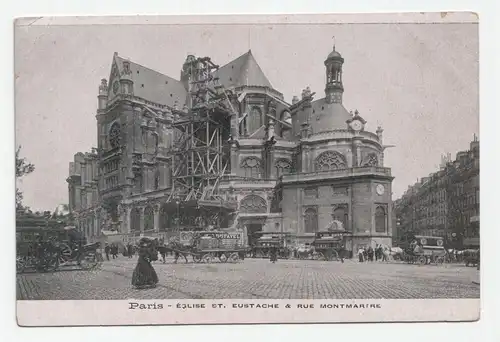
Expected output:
(113, 250)
(373, 254)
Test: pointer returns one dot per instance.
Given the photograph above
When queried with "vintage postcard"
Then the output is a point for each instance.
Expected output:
(247, 169)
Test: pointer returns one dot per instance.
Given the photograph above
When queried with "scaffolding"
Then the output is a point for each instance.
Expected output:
(200, 154)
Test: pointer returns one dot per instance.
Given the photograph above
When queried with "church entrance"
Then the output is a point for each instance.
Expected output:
(253, 228)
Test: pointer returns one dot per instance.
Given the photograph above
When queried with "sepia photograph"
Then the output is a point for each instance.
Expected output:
(247, 159)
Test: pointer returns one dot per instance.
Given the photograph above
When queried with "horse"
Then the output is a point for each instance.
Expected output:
(304, 252)
(395, 252)
(177, 248)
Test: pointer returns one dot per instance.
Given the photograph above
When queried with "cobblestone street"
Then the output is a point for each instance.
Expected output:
(254, 279)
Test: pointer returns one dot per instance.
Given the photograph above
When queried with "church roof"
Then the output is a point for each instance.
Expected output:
(152, 85)
(244, 70)
(328, 116)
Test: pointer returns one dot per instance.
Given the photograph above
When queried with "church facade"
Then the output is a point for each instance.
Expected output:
(294, 167)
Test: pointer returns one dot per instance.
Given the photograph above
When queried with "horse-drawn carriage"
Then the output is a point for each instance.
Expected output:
(471, 257)
(207, 246)
(330, 244)
(327, 245)
(264, 242)
(48, 249)
(425, 250)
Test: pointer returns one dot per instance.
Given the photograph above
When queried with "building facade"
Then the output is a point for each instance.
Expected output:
(268, 165)
(446, 203)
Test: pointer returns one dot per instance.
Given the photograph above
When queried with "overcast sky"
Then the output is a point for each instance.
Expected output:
(418, 81)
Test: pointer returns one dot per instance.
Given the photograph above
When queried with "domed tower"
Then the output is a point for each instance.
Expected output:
(334, 88)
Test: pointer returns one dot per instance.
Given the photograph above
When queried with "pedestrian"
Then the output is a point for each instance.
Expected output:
(341, 253)
(361, 254)
(130, 250)
(107, 250)
(385, 254)
(273, 254)
(144, 274)
(114, 251)
(370, 254)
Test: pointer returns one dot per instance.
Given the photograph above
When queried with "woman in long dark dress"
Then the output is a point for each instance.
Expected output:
(144, 274)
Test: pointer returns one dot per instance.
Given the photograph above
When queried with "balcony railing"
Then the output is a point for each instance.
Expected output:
(338, 173)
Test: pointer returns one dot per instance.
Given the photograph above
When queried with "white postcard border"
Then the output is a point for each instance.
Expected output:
(236, 311)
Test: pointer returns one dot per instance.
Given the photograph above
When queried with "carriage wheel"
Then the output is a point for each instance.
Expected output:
(64, 253)
(207, 258)
(422, 260)
(197, 258)
(223, 257)
(334, 256)
(88, 261)
(234, 257)
(320, 256)
(439, 260)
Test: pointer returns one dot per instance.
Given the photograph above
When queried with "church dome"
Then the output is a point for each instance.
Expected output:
(328, 116)
(334, 54)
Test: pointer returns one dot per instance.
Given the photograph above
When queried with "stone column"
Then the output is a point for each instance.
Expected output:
(356, 152)
(128, 211)
(156, 218)
(141, 211)
(235, 156)
(96, 225)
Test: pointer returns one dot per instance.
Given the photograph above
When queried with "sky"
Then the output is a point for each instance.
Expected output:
(418, 81)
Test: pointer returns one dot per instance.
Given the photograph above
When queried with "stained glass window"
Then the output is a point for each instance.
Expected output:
(252, 167)
(114, 135)
(253, 204)
(330, 160)
(283, 167)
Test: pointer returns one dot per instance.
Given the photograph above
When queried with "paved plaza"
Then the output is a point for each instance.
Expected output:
(256, 279)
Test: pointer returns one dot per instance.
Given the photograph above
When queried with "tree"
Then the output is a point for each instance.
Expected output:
(23, 168)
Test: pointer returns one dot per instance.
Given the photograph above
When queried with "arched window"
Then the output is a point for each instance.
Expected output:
(114, 135)
(164, 223)
(252, 167)
(380, 220)
(330, 160)
(283, 167)
(135, 220)
(370, 160)
(311, 220)
(340, 214)
(149, 217)
(253, 204)
(255, 120)
(285, 130)
(286, 117)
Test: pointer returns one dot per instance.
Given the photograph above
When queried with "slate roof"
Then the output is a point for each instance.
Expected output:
(328, 116)
(244, 70)
(152, 85)
(156, 87)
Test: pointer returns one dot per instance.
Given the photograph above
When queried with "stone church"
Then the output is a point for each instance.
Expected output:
(298, 167)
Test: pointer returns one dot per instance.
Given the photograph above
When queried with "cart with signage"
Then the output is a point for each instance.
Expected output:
(328, 245)
(426, 250)
(207, 246)
(265, 241)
